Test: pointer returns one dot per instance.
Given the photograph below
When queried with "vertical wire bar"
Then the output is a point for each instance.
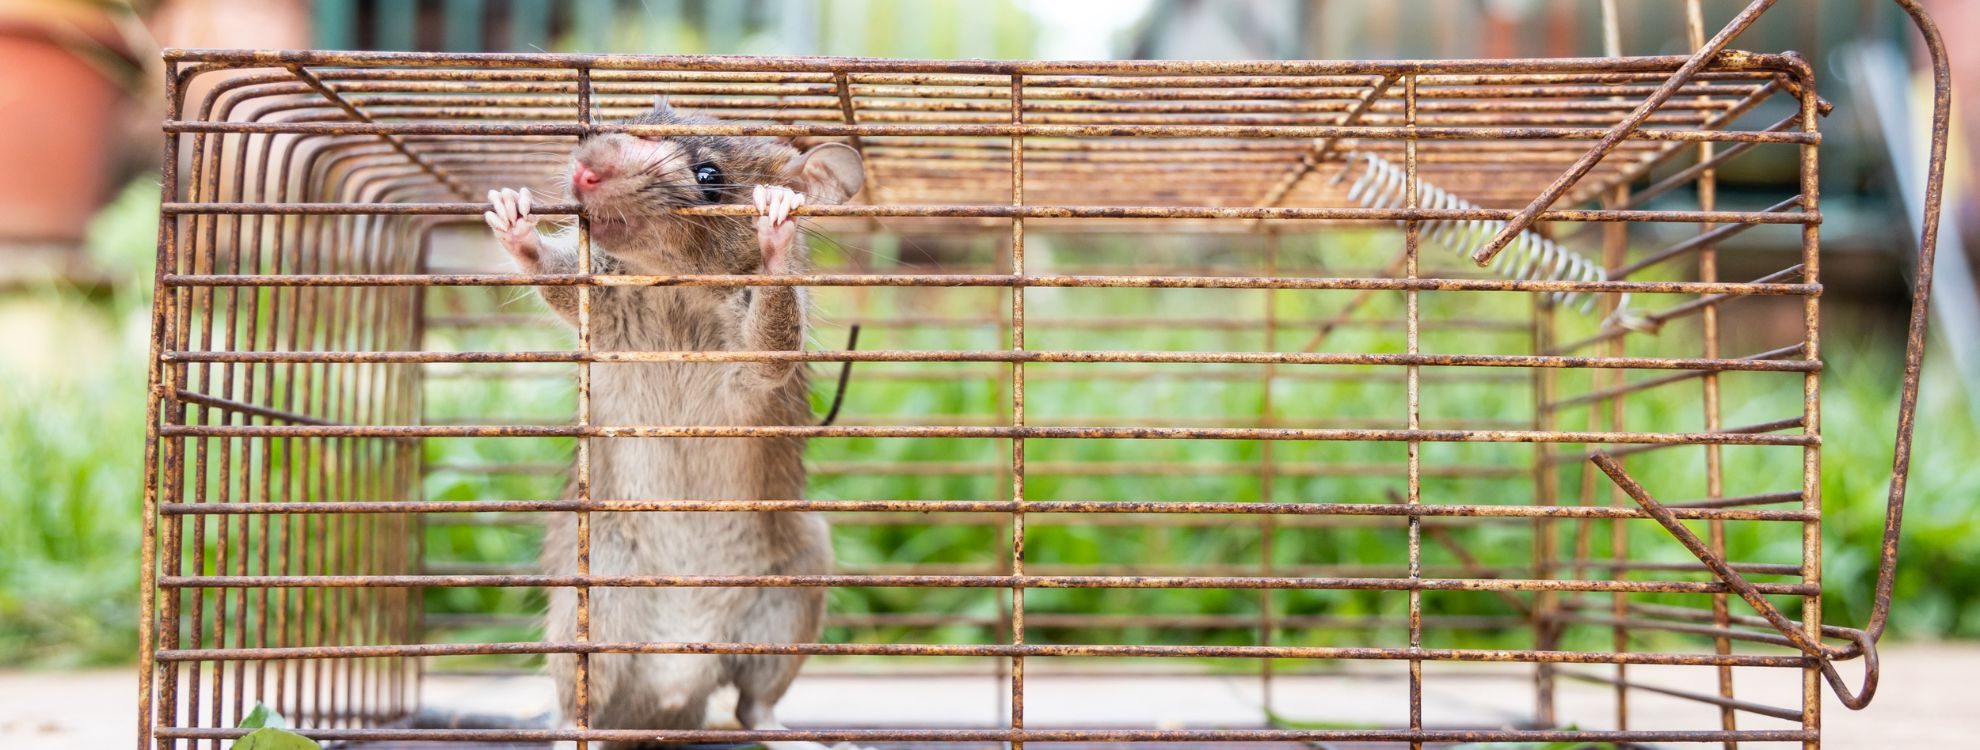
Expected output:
(206, 163)
(1411, 234)
(159, 390)
(1811, 416)
(1708, 321)
(283, 311)
(269, 305)
(412, 546)
(1267, 522)
(1005, 484)
(387, 478)
(1017, 408)
(247, 190)
(326, 461)
(1546, 478)
(301, 328)
(1615, 244)
(253, 472)
(368, 398)
(345, 335)
(582, 688)
(329, 470)
(410, 674)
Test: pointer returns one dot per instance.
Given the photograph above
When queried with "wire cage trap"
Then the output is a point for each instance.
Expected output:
(1368, 373)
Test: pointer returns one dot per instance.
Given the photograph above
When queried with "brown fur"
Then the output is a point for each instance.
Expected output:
(633, 232)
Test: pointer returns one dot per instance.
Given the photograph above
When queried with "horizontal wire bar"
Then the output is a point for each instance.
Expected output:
(1787, 714)
(528, 371)
(1049, 468)
(1707, 616)
(1727, 62)
(470, 567)
(967, 506)
(1107, 323)
(1777, 425)
(995, 280)
(969, 582)
(1697, 242)
(1643, 385)
(738, 736)
(1770, 498)
(1655, 320)
(1055, 620)
(969, 211)
(1357, 132)
(1773, 216)
(1027, 356)
(1729, 437)
(988, 649)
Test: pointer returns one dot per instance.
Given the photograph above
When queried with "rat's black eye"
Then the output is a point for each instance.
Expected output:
(710, 180)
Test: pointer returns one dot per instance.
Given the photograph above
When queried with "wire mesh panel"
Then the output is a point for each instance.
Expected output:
(1166, 368)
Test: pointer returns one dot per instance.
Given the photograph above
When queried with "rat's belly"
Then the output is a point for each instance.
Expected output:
(672, 469)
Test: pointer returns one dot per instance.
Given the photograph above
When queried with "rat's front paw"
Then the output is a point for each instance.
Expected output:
(515, 226)
(776, 229)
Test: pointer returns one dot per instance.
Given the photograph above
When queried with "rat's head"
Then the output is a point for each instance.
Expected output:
(620, 177)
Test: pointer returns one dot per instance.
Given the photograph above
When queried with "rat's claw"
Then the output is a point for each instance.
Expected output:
(775, 203)
(514, 226)
(775, 232)
(793, 200)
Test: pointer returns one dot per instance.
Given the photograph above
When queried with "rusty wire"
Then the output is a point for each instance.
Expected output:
(290, 358)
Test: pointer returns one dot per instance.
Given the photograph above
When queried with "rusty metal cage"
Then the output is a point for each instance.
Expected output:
(336, 374)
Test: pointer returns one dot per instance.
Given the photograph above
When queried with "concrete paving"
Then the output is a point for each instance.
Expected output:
(1930, 698)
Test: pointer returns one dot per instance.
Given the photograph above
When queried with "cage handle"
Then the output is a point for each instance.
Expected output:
(1864, 641)
(1921, 295)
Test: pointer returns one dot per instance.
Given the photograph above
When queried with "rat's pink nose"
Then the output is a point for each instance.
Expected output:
(585, 179)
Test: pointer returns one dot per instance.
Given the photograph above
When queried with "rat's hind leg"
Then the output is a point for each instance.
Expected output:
(781, 616)
(756, 713)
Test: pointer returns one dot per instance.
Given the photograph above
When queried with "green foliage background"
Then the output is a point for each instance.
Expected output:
(71, 430)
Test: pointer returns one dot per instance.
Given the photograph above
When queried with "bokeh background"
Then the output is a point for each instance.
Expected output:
(79, 107)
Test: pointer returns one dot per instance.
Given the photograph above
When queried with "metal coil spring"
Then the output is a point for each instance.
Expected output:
(1530, 257)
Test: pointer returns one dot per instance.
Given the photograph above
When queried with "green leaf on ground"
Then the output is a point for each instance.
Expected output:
(260, 717)
(1280, 722)
(271, 738)
(269, 732)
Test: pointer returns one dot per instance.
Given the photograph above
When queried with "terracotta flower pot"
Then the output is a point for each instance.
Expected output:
(57, 132)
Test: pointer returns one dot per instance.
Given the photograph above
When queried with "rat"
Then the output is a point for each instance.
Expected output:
(628, 187)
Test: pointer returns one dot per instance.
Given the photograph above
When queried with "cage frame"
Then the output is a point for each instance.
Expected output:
(180, 295)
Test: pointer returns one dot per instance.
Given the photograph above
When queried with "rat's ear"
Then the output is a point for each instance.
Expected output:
(830, 173)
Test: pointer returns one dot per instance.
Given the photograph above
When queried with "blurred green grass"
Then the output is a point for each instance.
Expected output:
(71, 429)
